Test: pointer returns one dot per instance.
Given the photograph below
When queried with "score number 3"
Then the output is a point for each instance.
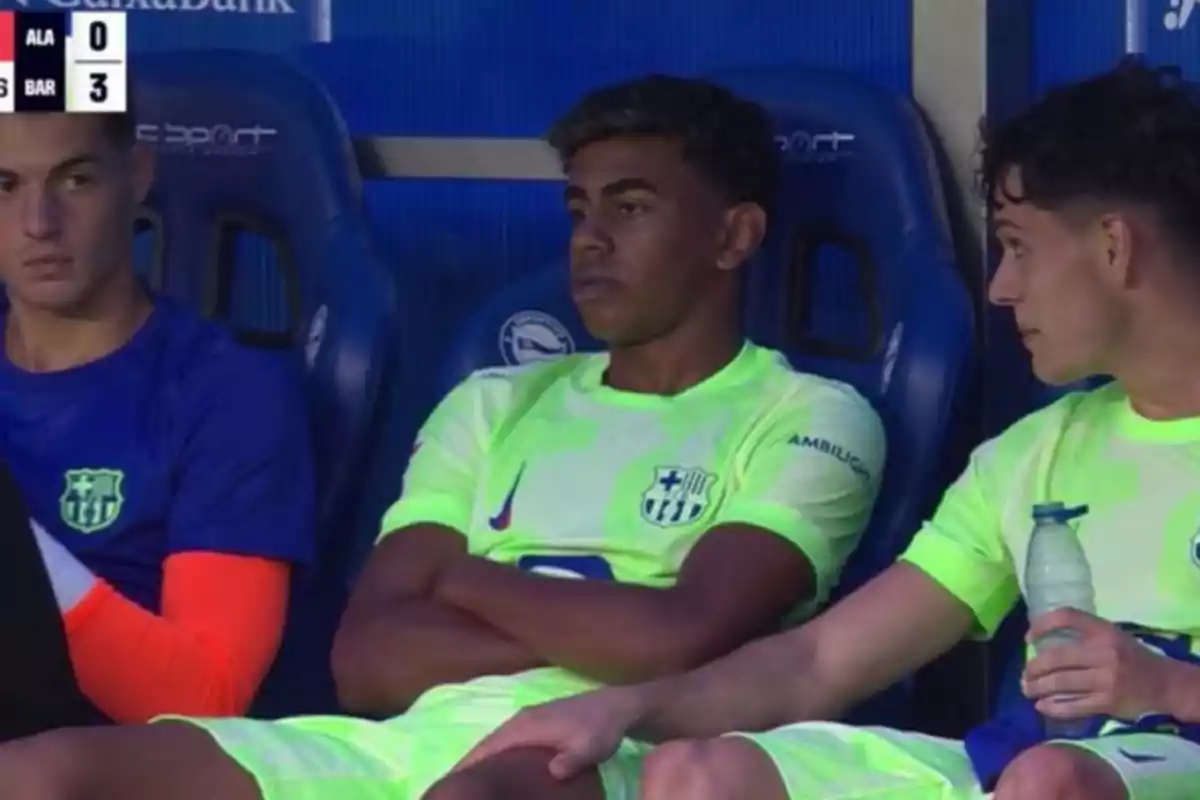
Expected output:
(97, 40)
(99, 90)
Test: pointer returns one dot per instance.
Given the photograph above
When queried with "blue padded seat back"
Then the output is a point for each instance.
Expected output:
(857, 279)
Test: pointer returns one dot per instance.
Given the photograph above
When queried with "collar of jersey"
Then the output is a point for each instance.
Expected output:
(1135, 426)
(11, 372)
(735, 373)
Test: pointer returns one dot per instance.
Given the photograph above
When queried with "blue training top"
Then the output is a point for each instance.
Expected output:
(181, 440)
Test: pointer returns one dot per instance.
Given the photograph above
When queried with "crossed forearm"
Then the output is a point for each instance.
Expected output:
(484, 618)
(613, 633)
(387, 661)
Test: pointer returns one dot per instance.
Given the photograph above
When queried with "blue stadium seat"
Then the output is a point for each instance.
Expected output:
(255, 218)
(857, 281)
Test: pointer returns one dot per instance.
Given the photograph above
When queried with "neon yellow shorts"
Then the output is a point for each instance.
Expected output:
(832, 761)
(344, 758)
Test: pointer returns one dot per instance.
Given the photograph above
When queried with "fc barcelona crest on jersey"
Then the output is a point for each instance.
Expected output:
(92, 499)
(678, 496)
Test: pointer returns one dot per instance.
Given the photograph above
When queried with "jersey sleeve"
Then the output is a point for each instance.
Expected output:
(811, 475)
(962, 548)
(442, 473)
(246, 482)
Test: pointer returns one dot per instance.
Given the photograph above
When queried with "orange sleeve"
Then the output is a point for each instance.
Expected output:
(221, 624)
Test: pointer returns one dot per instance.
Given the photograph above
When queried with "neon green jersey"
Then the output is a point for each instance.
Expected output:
(1140, 480)
(545, 467)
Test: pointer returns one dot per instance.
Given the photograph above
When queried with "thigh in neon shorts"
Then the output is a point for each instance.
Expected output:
(832, 761)
(818, 760)
(344, 758)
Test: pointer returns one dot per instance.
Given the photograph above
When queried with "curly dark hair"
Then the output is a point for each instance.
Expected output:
(729, 140)
(1130, 135)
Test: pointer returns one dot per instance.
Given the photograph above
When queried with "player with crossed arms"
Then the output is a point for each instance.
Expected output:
(1096, 194)
(705, 489)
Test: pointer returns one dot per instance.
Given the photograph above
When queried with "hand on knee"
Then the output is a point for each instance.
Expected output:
(712, 769)
(1059, 772)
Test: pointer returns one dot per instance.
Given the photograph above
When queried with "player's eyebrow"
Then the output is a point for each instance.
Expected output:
(74, 162)
(617, 187)
(629, 185)
(66, 165)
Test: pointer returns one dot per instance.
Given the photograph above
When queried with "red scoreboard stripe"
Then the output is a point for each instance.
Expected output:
(8, 24)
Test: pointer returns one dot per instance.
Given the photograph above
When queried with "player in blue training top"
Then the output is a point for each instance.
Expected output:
(165, 467)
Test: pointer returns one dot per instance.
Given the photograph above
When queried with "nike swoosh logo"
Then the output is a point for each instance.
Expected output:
(1139, 758)
(502, 520)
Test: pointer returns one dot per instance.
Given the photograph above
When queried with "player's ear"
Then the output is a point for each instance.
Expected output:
(745, 225)
(142, 156)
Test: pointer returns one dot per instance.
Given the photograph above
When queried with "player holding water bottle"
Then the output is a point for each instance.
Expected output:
(1057, 575)
(1096, 194)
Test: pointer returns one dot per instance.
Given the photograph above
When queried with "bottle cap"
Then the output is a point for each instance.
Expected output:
(1057, 512)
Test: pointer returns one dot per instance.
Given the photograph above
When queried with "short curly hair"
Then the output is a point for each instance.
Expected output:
(1130, 135)
(729, 140)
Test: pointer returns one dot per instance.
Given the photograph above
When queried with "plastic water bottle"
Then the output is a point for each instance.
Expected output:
(1057, 575)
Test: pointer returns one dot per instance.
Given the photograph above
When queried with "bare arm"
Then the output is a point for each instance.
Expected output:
(1184, 692)
(886, 630)
(904, 618)
(395, 642)
(737, 583)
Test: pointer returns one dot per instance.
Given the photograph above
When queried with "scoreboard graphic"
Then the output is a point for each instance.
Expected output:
(55, 61)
